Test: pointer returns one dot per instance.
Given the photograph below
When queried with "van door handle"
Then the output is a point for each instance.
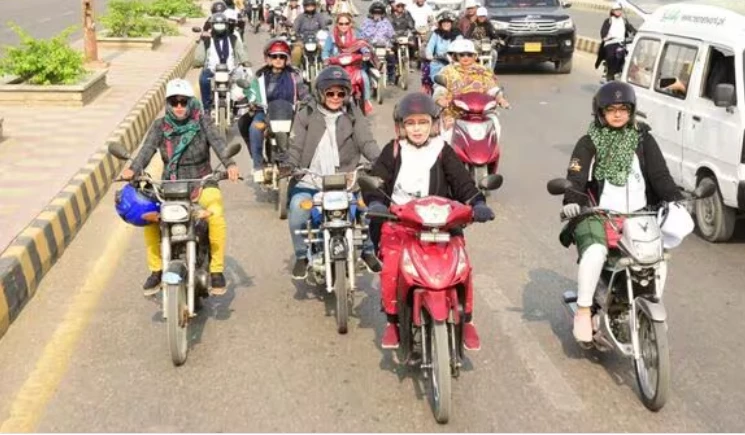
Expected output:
(680, 115)
(641, 114)
(696, 118)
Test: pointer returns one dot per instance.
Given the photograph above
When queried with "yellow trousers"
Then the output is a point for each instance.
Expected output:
(210, 199)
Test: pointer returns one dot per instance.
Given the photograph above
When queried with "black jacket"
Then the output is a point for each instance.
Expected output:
(604, 29)
(448, 176)
(479, 31)
(660, 185)
(402, 23)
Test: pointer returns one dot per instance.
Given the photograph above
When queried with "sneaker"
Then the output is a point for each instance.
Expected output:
(390, 336)
(368, 108)
(152, 284)
(371, 262)
(471, 340)
(300, 270)
(219, 286)
(258, 176)
(583, 326)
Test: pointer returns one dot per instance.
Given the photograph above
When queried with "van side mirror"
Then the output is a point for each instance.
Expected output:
(724, 95)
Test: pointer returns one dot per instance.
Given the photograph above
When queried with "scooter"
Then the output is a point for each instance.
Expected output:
(434, 276)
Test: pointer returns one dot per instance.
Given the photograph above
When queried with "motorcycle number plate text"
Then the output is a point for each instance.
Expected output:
(338, 247)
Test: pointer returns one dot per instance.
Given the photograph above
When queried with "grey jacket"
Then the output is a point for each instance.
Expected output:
(353, 135)
(309, 24)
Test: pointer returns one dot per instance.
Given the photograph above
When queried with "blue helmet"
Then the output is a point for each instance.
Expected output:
(131, 205)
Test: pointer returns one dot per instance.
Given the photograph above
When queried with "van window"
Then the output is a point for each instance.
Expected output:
(720, 68)
(675, 70)
(642, 62)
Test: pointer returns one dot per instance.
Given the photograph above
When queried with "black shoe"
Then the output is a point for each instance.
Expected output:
(152, 284)
(371, 262)
(300, 269)
(219, 287)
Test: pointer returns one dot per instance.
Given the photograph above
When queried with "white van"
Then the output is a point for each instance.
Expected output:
(686, 65)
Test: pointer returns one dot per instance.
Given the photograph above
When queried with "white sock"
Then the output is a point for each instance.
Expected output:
(590, 267)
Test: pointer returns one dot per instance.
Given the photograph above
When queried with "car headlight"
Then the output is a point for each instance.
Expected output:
(566, 24)
(174, 213)
(501, 25)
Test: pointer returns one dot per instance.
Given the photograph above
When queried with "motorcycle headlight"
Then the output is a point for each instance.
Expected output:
(486, 47)
(380, 51)
(403, 40)
(222, 76)
(648, 252)
(433, 215)
(311, 46)
(178, 230)
(335, 200)
(174, 213)
(566, 24)
(477, 130)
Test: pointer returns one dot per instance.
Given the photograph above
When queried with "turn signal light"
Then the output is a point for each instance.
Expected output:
(203, 214)
(360, 202)
(153, 217)
(306, 204)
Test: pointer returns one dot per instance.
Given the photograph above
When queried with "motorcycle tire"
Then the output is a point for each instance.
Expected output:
(341, 291)
(440, 376)
(282, 200)
(653, 392)
(222, 122)
(177, 310)
(403, 78)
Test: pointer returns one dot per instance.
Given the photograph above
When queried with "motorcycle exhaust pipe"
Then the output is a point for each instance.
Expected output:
(570, 302)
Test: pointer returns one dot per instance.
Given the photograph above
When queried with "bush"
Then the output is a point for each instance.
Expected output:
(175, 8)
(43, 61)
(128, 19)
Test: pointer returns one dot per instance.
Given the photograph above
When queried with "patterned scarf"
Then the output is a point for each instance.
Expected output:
(185, 130)
(615, 150)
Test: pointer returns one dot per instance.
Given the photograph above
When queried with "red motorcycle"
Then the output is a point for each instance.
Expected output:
(352, 60)
(434, 275)
(475, 134)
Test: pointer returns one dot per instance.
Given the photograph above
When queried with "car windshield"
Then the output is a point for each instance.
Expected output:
(521, 3)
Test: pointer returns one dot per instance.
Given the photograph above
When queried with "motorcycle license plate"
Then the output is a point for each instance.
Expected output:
(222, 77)
(310, 47)
(380, 52)
(403, 40)
(533, 47)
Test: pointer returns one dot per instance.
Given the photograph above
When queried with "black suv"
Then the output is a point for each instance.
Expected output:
(534, 30)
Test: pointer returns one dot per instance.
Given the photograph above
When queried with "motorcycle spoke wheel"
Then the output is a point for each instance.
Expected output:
(652, 369)
(440, 375)
(177, 323)
(341, 291)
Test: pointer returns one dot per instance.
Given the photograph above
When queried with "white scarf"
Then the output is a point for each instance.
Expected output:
(214, 59)
(413, 178)
(326, 158)
(617, 31)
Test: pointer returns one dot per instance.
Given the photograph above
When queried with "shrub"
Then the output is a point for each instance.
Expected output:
(43, 61)
(128, 19)
(175, 8)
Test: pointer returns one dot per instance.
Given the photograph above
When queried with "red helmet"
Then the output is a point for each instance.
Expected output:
(276, 46)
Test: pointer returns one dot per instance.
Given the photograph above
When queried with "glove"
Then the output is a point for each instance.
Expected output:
(377, 207)
(571, 210)
(482, 212)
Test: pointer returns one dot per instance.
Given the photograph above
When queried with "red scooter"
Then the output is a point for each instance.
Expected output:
(434, 276)
(352, 61)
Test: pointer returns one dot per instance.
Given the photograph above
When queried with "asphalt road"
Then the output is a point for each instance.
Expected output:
(89, 354)
(43, 18)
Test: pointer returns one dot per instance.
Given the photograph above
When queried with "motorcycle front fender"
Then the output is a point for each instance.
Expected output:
(437, 305)
(653, 310)
(175, 273)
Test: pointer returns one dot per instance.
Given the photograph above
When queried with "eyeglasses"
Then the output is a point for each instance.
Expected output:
(345, 23)
(178, 102)
(337, 94)
(624, 110)
(278, 56)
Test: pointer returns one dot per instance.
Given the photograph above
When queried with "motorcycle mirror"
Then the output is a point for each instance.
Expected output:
(243, 83)
(369, 183)
(491, 182)
(558, 186)
(440, 80)
(705, 190)
(196, 29)
(117, 150)
(232, 150)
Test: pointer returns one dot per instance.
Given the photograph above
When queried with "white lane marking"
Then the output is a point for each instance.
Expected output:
(67, 13)
(546, 375)
(44, 20)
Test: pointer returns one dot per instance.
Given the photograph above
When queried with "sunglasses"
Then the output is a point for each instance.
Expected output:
(337, 94)
(467, 55)
(178, 102)
(345, 23)
(278, 56)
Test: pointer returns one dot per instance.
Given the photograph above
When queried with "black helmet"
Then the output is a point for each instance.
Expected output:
(611, 93)
(377, 8)
(309, 3)
(218, 7)
(416, 103)
(219, 24)
(230, 3)
(332, 76)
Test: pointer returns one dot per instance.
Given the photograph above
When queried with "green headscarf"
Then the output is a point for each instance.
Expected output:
(173, 127)
(615, 148)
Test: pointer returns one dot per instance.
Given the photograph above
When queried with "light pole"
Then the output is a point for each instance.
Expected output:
(89, 32)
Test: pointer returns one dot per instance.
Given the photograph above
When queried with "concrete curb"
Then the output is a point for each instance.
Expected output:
(588, 45)
(32, 253)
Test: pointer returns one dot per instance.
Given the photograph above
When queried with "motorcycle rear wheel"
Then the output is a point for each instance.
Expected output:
(178, 323)
(652, 369)
(341, 291)
(403, 79)
(440, 379)
(282, 197)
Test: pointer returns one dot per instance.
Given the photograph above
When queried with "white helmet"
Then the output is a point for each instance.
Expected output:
(471, 4)
(482, 12)
(676, 225)
(179, 87)
(617, 6)
(460, 46)
(400, 2)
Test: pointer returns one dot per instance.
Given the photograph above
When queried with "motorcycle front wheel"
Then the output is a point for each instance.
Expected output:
(440, 376)
(178, 321)
(222, 122)
(282, 197)
(341, 291)
(652, 369)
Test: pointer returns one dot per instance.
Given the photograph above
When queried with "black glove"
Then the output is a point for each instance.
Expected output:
(377, 207)
(482, 212)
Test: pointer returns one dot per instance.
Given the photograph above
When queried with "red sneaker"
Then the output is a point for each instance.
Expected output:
(390, 336)
(471, 340)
